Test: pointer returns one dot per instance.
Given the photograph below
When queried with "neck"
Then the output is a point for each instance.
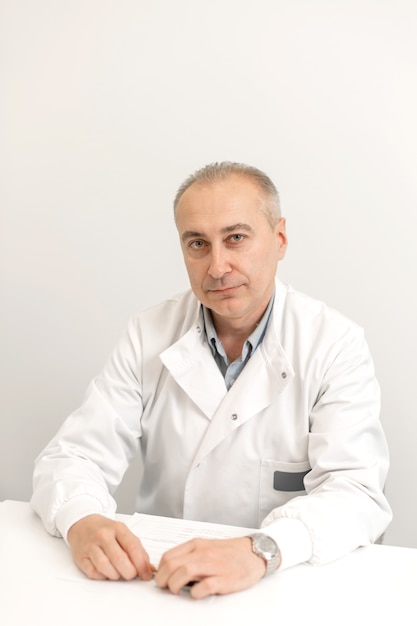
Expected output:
(234, 332)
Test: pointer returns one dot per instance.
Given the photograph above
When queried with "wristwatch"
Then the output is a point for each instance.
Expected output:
(267, 548)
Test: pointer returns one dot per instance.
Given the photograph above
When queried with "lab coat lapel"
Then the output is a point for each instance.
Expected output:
(193, 367)
(265, 376)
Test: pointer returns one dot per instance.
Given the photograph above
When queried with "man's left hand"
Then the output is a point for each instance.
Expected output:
(212, 566)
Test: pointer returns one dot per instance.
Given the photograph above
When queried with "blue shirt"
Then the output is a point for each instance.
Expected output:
(231, 370)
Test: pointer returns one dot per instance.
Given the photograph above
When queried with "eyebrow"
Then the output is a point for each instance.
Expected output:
(227, 229)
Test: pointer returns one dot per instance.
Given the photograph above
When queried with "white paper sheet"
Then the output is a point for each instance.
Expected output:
(159, 534)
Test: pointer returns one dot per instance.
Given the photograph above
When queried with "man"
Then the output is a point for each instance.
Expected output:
(249, 403)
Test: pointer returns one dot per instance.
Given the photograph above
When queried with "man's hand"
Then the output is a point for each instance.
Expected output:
(105, 549)
(214, 566)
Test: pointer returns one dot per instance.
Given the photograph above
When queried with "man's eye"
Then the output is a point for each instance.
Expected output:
(197, 245)
(236, 238)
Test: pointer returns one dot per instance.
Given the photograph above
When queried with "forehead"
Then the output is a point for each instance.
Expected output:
(228, 199)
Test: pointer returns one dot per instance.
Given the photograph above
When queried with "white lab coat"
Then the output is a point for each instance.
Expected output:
(307, 401)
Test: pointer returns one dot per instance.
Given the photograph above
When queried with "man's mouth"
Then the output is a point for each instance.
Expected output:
(224, 290)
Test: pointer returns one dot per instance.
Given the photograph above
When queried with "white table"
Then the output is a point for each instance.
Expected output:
(40, 585)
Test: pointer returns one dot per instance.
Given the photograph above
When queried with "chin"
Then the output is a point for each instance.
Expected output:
(229, 307)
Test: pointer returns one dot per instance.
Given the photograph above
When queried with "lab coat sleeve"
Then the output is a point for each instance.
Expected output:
(84, 463)
(345, 506)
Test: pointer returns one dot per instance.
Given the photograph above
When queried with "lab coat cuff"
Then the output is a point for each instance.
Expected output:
(293, 539)
(75, 509)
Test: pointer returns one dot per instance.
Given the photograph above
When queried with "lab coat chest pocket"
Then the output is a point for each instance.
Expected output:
(280, 481)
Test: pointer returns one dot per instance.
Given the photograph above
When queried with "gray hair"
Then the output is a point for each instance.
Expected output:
(215, 172)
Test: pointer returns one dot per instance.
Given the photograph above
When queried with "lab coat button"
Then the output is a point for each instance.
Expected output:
(283, 374)
(234, 416)
(198, 329)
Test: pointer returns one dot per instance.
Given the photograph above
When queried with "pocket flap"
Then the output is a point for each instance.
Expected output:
(289, 481)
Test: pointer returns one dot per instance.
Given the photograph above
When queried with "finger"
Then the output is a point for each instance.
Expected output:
(176, 579)
(183, 571)
(170, 561)
(216, 584)
(114, 558)
(180, 552)
(206, 587)
(136, 553)
(98, 566)
(87, 567)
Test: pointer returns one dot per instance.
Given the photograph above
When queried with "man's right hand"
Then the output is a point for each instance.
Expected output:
(105, 549)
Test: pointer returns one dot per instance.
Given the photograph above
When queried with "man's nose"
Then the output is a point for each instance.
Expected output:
(219, 263)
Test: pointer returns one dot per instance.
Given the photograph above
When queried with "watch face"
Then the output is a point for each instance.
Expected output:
(265, 545)
(266, 548)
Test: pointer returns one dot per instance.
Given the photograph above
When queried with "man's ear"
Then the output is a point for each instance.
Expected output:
(281, 234)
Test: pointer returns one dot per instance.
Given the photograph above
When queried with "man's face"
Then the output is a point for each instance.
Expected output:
(230, 250)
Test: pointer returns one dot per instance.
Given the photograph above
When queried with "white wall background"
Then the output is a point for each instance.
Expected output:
(107, 105)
